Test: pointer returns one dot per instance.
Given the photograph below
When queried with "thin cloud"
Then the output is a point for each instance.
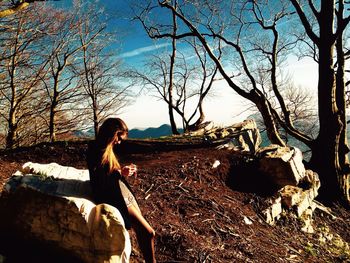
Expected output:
(139, 51)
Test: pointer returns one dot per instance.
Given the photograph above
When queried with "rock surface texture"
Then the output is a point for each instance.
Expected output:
(243, 136)
(52, 208)
(298, 187)
(283, 165)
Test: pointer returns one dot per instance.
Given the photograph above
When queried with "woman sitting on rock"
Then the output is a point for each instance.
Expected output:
(109, 186)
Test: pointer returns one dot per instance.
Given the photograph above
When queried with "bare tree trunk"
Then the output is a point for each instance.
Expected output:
(172, 119)
(171, 80)
(329, 153)
(12, 130)
(12, 121)
(54, 103)
(344, 176)
(198, 122)
(95, 116)
(263, 105)
(52, 125)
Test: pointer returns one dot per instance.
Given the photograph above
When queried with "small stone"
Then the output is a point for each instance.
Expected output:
(305, 202)
(276, 208)
(307, 220)
(247, 221)
(216, 164)
(290, 195)
(273, 213)
(268, 217)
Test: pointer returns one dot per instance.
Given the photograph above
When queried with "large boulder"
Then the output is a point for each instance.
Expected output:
(58, 215)
(298, 187)
(282, 165)
(243, 136)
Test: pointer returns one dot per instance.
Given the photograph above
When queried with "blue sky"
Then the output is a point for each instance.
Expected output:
(135, 46)
(132, 42)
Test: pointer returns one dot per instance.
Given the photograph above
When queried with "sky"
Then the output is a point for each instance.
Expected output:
(225, 108)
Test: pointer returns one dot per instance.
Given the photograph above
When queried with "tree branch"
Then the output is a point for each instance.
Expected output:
(305, 22)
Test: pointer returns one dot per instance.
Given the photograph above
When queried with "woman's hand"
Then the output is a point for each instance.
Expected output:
(129, 170)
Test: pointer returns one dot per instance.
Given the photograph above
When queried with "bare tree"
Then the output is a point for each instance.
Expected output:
(32, 127)
(210, 21)
(100, 73)
(156, 77)
(301, 103)
(62, 48)
(40, 78)
(171, 75)
(208, 77)
(21, 66)
(191, 83)
(255, 94)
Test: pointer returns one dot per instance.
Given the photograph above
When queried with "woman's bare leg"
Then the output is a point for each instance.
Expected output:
(144, 233)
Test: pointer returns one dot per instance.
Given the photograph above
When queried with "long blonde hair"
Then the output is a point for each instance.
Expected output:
(107, 134)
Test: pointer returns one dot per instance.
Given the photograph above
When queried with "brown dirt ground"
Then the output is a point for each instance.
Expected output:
(198, 211)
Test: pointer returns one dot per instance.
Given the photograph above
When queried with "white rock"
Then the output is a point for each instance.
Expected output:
(58, 212)
(216, 164)
(247, 221)
(291, 195)
(273, 212)
(243, 136)
(56, 170)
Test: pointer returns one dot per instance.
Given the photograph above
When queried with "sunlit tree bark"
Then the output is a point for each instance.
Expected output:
(330, 149)
(9, 8)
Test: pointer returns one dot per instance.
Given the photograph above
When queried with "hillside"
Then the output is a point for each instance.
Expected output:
(198, 216)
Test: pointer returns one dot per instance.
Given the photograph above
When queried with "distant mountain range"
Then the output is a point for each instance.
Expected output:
(163, 130)
(153, 132)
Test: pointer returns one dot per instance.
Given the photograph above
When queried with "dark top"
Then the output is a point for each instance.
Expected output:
(105, 185)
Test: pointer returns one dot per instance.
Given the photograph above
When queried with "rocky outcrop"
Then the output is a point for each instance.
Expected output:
(282, 165)
(298, 187)
(278, 168)
(57, 213)
(296, 200)
(243, 136)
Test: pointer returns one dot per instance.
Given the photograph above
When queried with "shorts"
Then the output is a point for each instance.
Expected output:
(128, 196)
